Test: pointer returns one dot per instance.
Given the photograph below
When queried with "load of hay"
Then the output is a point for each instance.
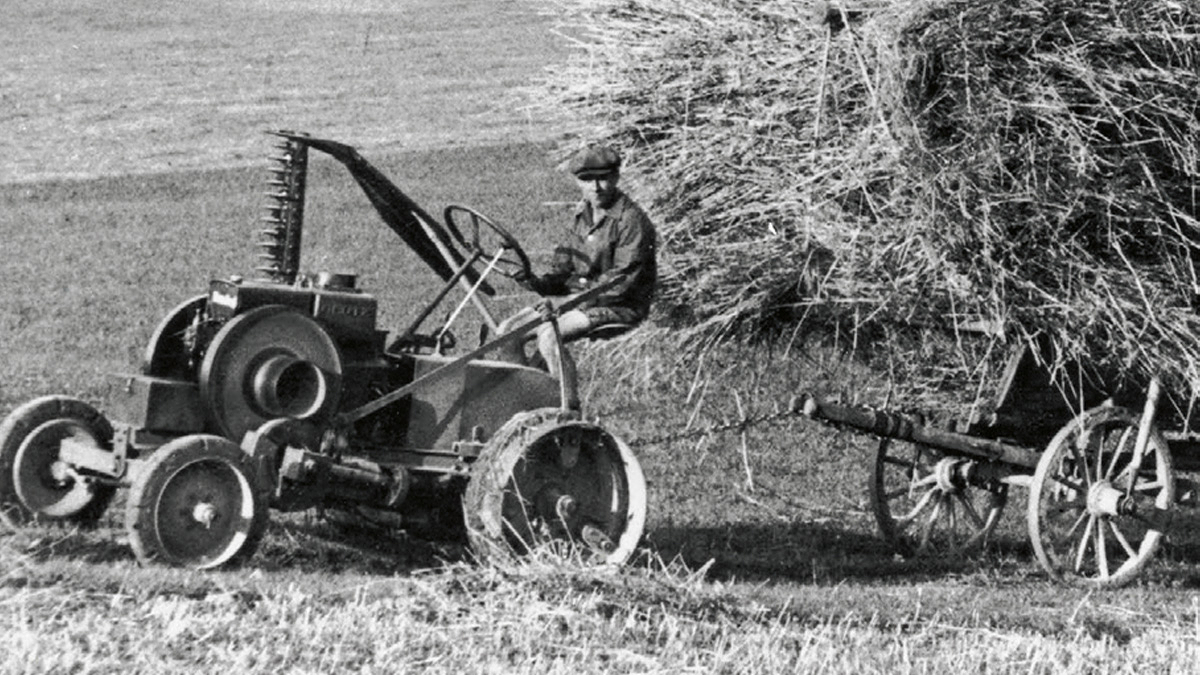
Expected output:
(879, 168)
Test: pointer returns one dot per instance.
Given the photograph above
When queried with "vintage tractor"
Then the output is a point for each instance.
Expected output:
(282, 391)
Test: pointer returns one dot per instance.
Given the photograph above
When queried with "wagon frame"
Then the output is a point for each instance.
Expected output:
(1102, 478)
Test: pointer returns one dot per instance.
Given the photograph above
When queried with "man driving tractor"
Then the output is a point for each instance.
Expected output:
(611, 236)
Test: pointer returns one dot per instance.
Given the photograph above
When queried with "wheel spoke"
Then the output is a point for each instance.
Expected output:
(1063, 481)
(927, 531)
(1081, 458)
(1126, 436)
(1150, 486)
(972, 513)
(1102, 552)
(1083, 543)
(907, 518)
(1120, 537)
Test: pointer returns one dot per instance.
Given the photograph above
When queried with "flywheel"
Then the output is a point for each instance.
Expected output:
(549, 482)
(271, 362)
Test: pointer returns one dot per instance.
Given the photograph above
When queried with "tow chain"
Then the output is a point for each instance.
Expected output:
(741, 424)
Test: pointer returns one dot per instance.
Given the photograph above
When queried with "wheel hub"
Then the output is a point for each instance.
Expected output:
(949, 476)
(1105, 500)
(204, 513)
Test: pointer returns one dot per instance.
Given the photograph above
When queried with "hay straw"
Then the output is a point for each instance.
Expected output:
(1017, 163)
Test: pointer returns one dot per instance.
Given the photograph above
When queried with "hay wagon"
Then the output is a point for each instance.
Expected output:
(282, 391)
(1102, 477)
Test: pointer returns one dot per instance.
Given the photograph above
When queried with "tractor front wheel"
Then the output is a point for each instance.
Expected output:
(549, 482)
(34, 483)
(197, 502)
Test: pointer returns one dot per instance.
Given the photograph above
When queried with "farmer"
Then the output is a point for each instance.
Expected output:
(611, 236)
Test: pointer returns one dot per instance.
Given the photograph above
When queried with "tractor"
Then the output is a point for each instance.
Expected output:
(281, 392)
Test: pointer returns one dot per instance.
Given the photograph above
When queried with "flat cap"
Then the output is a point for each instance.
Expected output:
(594, 160)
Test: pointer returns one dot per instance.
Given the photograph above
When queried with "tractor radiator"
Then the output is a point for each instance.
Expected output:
(279, 242)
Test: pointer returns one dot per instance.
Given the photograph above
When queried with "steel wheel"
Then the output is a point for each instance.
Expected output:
(34, 484)
(196, 503)
(1084, 499)
(928, 504)
(548, 481)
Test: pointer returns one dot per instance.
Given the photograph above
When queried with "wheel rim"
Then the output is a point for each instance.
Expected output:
(1079, 525)
(34, 484)
(195, 502)
(204, 510)
(568, 488)
(927, 504)
(45, 484)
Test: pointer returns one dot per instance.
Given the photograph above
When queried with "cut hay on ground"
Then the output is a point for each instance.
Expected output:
(1023, 164)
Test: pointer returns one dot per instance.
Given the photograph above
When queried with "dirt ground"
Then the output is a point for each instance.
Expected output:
(101, 88)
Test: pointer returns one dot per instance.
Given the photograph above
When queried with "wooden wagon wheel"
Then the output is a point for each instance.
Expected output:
(927, 504)
(1085, 499)
(547, 481)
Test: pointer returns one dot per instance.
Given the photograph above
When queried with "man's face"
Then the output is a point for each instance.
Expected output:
(601, 191)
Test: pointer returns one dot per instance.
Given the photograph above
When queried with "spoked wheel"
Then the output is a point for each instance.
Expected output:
(929, 504)
(196, 503)
(547, 481)
(34, 483)
(1086, 497)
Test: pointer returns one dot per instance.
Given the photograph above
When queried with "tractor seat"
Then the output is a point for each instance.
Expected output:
(607, 331)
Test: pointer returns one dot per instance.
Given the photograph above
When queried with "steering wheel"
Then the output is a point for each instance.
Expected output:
(514, 263)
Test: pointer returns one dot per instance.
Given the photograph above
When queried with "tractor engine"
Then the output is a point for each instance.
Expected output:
(283, 346)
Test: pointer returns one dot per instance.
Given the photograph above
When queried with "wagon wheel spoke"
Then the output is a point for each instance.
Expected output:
(1102, 551)
(927, 531)
(1122, 447)
(1082, 471)
(1081, 551)
(1077, 536)
(1121, 539)
(923, 502)
(969, 509)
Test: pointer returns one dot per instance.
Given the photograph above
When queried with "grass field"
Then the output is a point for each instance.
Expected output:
(759, 557)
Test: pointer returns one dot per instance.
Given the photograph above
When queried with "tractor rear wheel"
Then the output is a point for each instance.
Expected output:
(34, 484)
(197, 502)
(549, 482)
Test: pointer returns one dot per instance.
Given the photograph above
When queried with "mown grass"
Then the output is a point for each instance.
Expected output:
(758, 558)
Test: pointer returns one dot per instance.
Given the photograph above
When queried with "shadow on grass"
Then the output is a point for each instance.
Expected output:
(813, 553)
(308, 543)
